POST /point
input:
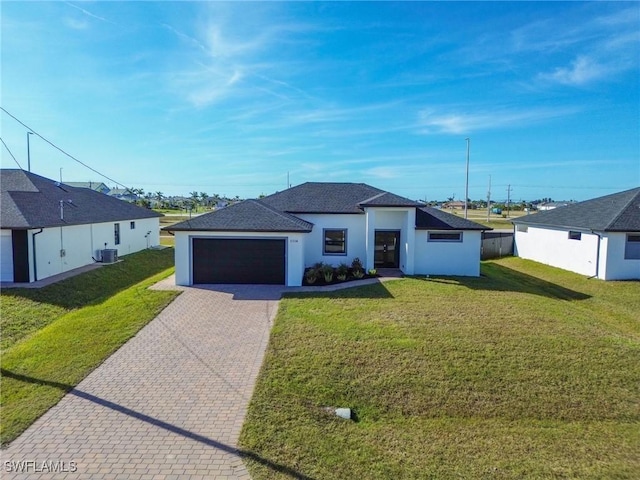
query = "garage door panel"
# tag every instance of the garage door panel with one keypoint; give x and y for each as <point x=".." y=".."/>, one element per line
<point x="258" y="261"/>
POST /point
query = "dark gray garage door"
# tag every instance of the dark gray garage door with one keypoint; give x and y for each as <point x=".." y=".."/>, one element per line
<point x="223" y="260"/>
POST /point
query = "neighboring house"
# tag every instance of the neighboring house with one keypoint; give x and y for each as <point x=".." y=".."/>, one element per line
<point x="552" y="205"/>
<point x="599" y="237"/>
<point x="123" y="194"/>
<point x="48" y="228"/>
<point x="457" y="205"/>
<point x="273" y="239"/>
<point x="97" y="186"/>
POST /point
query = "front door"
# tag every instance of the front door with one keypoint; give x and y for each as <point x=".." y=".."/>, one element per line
<point x="387" y="250"/>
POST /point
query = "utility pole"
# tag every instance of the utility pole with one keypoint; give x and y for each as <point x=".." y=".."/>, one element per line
<point x="466" y="187"/>
<point x="489" y="200"/>
<point x="508" y="199"/>
<point x="28" y="152"/>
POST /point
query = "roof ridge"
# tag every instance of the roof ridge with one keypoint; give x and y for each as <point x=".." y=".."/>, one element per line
<point x="624" y="208"/>
<point x="373" y="198"/>
<point x="285" y="215"/>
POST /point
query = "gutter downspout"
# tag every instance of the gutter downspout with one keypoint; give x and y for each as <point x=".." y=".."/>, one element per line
<point x="35" y="261"/>
<point x="597" y="256"/>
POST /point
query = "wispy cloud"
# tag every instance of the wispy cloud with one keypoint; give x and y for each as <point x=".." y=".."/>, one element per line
<point x="76" y="24"/>
<point x="599" y="47"/>
<point x="237" y="52"/>
<point x="432" y="121"/>
<point x="189" y="39"/>
<point x="581" y="71"/>
<point x="604" y="47"/>
<point x="89" y="14"/>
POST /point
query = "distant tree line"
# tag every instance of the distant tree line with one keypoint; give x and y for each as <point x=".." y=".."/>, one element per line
<point x="193" y="202"/>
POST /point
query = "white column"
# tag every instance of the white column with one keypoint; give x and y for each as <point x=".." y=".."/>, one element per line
<point x="183" y="258"/>
<point x="370" y="231"/>
<point x="410" y="241"/>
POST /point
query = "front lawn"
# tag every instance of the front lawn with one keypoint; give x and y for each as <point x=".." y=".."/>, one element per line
<point x="55" y="336"/>
<point x="526" y="372"/>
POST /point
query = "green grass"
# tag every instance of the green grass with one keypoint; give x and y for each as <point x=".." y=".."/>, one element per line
<point x="526" y="372"/>
<point x="84" y="320"/>
<point x="496" y="221"/>
<point x="25" y="311"/>
<point x="167" y="240"/>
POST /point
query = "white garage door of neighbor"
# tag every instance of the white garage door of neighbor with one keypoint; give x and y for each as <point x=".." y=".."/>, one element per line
<point x="6" y="256"/>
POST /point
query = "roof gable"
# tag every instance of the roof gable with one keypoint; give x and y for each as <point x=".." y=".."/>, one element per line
<point x="246" y="216"/>
<point x="618" y="212"/>
<point x="32" y="201"/>
<point x="386" y="199"/>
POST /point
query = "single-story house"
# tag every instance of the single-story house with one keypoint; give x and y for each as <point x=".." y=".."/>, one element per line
<point x="552" y="205"/>
<point x="456" y="205"/>
<point x="48" y="227"/>
<point x="598" y="237"/>
<point x="273" y="239"/>
<point x="97" y="186"/>
<point x="123" y="194"/>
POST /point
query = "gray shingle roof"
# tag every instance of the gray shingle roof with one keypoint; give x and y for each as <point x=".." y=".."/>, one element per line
<point x="428" y="218"/>
<point x="618" y="212"/>
<point x="386" y="199"/>
<point x="246" y="216"/>
<point x="31" y="201"/>
<point x="275" y="213"/>
<point x="314" y="197"/>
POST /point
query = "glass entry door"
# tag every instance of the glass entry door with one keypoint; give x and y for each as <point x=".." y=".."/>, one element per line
<point x="387" y="249"/>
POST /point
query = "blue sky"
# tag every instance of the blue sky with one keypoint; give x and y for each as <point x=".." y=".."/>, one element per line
<point x="228" y="98"/>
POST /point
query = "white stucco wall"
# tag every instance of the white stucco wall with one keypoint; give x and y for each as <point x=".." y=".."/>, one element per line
<point x="314" y="241"/>
<point x="6" y="256"/>
<point x="388" y="218"/>
<point x="613" y="264"/>
<point x="295" y="245"/>
<point x="448" y="258"/>
<point x="553" y="247"/>
<point x="304" y="249"/>
<point x="82" y="242"/>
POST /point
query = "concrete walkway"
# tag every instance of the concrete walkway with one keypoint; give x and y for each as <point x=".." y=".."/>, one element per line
<point x="171" y="402"/>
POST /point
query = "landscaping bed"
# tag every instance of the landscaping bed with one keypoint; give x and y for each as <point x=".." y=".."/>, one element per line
<point x="322" y="274"/>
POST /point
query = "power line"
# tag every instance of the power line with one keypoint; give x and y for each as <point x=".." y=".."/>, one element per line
<point x="14" y="158"/>
<point x="60" y="149"/>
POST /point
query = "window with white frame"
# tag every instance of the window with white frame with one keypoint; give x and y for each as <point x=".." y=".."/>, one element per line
<point x="444" y="237"/>
<point x="335" y="241"/>
<point x="632" y="247"/>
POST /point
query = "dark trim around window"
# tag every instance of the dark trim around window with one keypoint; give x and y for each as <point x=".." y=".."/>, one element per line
<point x="575" y="235"/>
<point x="116" y="233"/>
<point x="632" y="247"/>
<point x="444" y="237"/>
<point x="334" y="241"/>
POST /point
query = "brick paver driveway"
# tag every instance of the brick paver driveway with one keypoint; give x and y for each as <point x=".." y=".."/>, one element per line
<point x="169" y="404"/>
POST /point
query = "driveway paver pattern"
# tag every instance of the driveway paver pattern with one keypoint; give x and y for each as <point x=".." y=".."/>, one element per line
<point x="169" y="404"/>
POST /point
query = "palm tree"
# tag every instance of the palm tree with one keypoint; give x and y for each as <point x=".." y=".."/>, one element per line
<point x="195" y="197"/>
<point x="159" y="196"/>
<point x="203" y="198"/>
